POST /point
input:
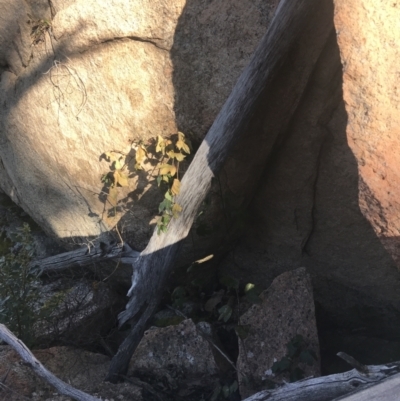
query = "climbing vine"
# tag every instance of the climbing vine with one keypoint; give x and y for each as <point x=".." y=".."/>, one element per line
<point x="172" y="154"/>
<point x="168" y="153"/>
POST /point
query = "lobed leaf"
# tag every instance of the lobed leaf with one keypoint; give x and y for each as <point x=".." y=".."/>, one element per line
<point x="181" y="143"/>
<point x="167" y="169"/>
<point x="176" y="187"/>
<point x="174" y="155"/>
<point x="120" y="178"/>
<point x="141" y="155"/>
<point x="160" y="147"/>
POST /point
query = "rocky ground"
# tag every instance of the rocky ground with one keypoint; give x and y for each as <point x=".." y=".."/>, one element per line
<point x="223" y="342"/>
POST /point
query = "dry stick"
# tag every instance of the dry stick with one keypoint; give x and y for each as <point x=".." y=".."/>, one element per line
<point x="156" y="261"/>
<point x="353" y="362"/>
<point x="29" y="358"/>
<point x="334" y="387"/>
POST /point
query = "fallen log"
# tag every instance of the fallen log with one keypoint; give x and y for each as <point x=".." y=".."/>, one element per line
<point x="63" y="388"/>
<point x="344" y="385"/>
<point x="84" y="256"/>
<point x="387" y="390"/>
<point x="156" y="261"/>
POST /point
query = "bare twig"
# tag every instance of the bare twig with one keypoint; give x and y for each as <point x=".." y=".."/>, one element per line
<point x="353" y="363"/>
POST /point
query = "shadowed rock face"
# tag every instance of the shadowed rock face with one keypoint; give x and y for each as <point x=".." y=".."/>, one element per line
<point x="324" y="200"/>
<point x="367" y="37"/>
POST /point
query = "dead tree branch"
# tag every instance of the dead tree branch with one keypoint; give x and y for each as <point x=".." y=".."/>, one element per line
<point x="330" y="388"/>
<point x="62" y="387"/>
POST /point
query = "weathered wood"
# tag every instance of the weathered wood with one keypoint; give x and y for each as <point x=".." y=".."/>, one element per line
<point x="62" y="387"/>
<point x="156" y="261"/>
<point x="387" y="390"/>
<point x="329" y="388"/>
<point x="83" y="257"/>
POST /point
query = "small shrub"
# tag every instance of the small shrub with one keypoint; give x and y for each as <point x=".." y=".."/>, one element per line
<point x="168" y="153"/>
<point x="19" y="289"/>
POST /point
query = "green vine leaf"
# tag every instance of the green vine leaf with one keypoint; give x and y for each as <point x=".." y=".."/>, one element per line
<point x="164" y="205"/>
<point x="308" y="356"/>
<point x="281" y="366"/>
<point x="169" y="196"/>
<point x="225" y="312"/>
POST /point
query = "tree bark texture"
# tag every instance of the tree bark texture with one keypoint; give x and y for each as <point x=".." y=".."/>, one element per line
<point x="83" y="257"/>
<point x="156" y="261"/>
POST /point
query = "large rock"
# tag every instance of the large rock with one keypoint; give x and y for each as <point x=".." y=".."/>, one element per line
<point x="369" y="55"/>
<point x="87" y="88"/>
<point x="286" y="311"/>
<point x="79" y="78"/>
<point x="328" y="196"/>
<point x="177" y="359"/>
